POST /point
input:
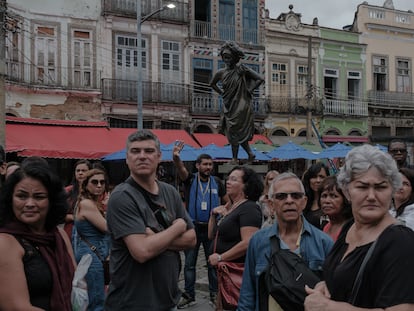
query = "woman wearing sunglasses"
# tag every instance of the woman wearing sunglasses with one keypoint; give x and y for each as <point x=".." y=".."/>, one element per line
<point x="92" y="236"/>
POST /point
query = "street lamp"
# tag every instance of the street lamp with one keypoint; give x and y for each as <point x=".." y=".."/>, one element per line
<point x="140" y="20"/>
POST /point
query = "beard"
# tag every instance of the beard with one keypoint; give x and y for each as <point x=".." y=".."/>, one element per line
<point x="204" y="175"/>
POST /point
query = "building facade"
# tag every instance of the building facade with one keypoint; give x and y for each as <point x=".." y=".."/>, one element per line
<point x="78" y="60"/>
<point x="342" y="87"/>
<point x="388" y="34"/>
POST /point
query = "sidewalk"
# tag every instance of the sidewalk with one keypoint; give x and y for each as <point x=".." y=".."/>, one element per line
<point x="202" y="293"/>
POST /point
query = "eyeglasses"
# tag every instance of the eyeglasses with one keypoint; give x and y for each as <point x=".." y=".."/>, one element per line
<point x="395" y="151"/>
<point x="283" y="195"/>
<point x="95" y="182"/>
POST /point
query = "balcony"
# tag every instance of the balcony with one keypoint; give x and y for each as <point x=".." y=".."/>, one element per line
<point x="126" y="90"/>
<point x="128" y="8"/>
<point x="212" y="105"/>
<point x="204" y="30"/>
<point x="49" y="76"/>
<point x="293" y="105"/>
<point x="353" y="108"/>
<point x="390" y="100"/>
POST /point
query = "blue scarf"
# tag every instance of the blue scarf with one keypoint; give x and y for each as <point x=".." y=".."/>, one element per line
<point x="211" y="197"/>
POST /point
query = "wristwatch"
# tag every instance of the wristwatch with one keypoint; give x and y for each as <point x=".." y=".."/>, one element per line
<point x="219" y="258"/>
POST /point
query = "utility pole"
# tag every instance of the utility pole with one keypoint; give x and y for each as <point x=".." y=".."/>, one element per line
<point x="140" y="20"/>
<point x="139" y="68"/>
<point x="309" y="93"/>
<point x="3" y="8"/>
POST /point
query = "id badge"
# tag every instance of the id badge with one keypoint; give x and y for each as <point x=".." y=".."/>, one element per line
<point x="204" y="206"/>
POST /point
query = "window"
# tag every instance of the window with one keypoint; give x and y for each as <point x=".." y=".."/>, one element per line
<point x="45" y="55"/>
<point x="354" y="84"/>
<point x="227" y="20"/>
<point x="403" y="18"/>
<point x="279" y="76"/>
<point x="403" y="76"/>
<point x="82" y="58"/>
<point x="381" y="131"/>
<point x="376" y="14"/>
<point x="331" y="83"/>
<point x="12" y="55"/>
<point x="170" y="60"/>
<point x="250" y="21"/>
<point x="171" y="76"/>
<point x="380" y="70"/>
<point x="403" y="131"/>
<point x="302" y="80"/>
<point x="202" y="75"/>
<point x="127" y="60"/>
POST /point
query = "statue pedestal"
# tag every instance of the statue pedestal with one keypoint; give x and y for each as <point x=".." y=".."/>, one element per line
<point x="225" y="168"/>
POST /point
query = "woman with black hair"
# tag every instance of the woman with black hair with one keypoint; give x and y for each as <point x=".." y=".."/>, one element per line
<point x="81" y="167"/>
<point x="312" y="179"/>
<point x="36" y="262"/>
<point x="403" y="207"/>
<point x="334" y="205"/>
<point x="234" y="223"/>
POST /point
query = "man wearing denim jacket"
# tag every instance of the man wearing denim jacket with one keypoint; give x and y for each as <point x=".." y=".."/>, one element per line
<point x="287" y="199"/>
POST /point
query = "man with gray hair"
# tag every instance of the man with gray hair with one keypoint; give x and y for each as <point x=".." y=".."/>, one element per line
<point x="149" y="226"/>
<point x="287" y="199"/>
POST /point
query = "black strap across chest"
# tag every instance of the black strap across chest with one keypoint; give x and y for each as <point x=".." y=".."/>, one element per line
<point x="156" y="209"/>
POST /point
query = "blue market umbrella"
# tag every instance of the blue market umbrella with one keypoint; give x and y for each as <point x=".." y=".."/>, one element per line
<point x="225" y="152"/>
<point x="187" y="154"/>
<point x="291" y="151"/>
<point x="217" y="152"/>
<point x="381" y="147"/>
<point x="117" y="155"/>
<point x="260" y="156"/>
<point x="338" y="150"/>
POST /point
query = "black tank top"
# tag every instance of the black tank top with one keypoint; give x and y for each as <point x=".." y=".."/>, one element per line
<point x="38" y="275"/>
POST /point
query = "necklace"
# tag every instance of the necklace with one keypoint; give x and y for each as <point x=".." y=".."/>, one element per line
<point x="232" y="208"/>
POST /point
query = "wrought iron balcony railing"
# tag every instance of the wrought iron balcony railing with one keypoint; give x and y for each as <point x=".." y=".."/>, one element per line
<point x="212" y="105"/>
<point x="206" y="30"/>
<point x="126" y="90"/>
<point x="355" y="108"/>
<point x="390" y="100"/>
<point x="128" y="8"/>
<point x="294" y="105"/>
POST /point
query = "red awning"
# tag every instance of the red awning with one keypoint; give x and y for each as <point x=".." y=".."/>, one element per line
<point x="76" y="142"/>
<point x="341" y="139"/>
<point x="220" y="140"/>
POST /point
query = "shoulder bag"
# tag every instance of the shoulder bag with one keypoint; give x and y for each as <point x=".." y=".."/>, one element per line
<point x="229" y="276"/>
<point x="105" y="261"/>
<point x="286" y="276"/>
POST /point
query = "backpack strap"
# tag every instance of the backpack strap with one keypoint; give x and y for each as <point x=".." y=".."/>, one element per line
<point x="156" y="209"/>
<point x="274" y="244"/>
<point x="358" y="279"/>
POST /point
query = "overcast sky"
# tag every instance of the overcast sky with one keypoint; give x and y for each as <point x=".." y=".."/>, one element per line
<point x="333" y="13"/>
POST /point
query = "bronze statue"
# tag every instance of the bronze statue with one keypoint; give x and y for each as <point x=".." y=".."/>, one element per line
<point x="238" y="83"/>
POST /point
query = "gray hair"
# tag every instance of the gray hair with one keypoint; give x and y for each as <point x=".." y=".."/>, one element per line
<point x="360" y="159"/>
<point x="142" y="135"/>
<point x="283" y="176"/>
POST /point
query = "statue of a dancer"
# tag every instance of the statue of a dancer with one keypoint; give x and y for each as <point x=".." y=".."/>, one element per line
<point x="238" y="82"/>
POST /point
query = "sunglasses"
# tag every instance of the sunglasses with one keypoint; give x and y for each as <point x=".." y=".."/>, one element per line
<point x="95" y="182"/>
<point x="395" y="151"/>
<point x="283" y="195"/>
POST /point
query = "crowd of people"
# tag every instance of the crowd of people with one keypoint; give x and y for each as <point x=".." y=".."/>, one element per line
<point x="352" y="229"/>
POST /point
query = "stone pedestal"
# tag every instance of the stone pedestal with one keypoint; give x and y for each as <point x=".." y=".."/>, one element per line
<point x="225" y="168"/>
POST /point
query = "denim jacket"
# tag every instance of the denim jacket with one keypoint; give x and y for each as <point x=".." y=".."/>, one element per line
<point x="314" y="247"/>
